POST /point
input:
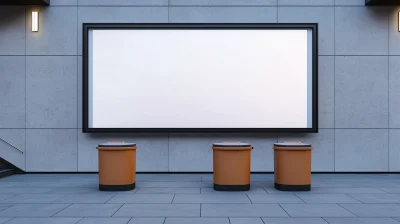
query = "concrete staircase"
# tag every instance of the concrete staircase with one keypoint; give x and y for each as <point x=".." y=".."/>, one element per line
<point x="7" y="169"/>
<point x="12" y="150"/>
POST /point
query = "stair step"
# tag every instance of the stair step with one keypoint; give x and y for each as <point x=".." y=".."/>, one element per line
<point x="7" y="172"/>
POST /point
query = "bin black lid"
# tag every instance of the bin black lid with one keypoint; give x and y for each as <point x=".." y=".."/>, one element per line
<point x="231" y="144"/>
<point x="117" y="144"/>
<point x="292" y="144"/>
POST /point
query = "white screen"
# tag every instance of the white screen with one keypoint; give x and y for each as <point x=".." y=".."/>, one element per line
<point x="200" y="78"/>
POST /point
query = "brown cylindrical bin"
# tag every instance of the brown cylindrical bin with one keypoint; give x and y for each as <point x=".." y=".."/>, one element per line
<point x="231" y="166"/>
<point x="292" y="164"/>
<point x="117" y="166"/>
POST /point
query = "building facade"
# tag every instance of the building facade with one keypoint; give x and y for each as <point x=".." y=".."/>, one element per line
<point x="41" y="90"/>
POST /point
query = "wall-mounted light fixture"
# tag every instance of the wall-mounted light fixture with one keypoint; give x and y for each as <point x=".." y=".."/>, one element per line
<point x="398" y="18"/>
<point x="35" y="21"/>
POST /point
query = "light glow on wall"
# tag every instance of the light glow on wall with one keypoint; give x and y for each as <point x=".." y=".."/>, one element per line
<point x="35" y="21"/>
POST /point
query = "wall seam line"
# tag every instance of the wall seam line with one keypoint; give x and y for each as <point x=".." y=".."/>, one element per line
<point x="77" y="89"/>
<point x="334" y="89"/>
<point x="214" y="132"/>
<point x="168" y="142"/>
<point x="26" y="151"/>
<point x="77" y="133"/>
<point x="277" y="11"/>
<point x="188" y="6"/>
<point x="168" y="9"/>
<point x="74" y="55"/>
<point x="388" y="89"/>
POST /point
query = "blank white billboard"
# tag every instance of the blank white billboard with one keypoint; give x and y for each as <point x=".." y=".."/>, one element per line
<point x="200" y="79"/>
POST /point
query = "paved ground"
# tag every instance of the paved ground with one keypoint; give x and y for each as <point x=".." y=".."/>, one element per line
<point x="190" y="199"/>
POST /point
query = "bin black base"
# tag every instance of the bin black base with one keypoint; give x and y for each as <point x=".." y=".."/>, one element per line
<point x="219" y="187"/>
<point x="284" y="187"/>
<point x="127" y="187"/>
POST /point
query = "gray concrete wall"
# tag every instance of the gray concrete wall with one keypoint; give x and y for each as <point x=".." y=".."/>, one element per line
<point x="359" y="78"/>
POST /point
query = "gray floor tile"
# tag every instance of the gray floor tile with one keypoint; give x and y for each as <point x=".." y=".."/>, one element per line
<point x="294" y="221"/>
<point x="33" y="198"/>
<point x="135" y="220"/>
<point x="104" y="221"/>
<point x="174" y="184"/>
<point x="253" y="177"/>
<point x="25" y="190"/>
<point x="197" y="221"/>
<point x="44" y="221"/>
<point x="361" y="221"/>
<point x="274" y="198"/>
<point x="377" y="198"/>
<point x="60" y="184"/>
<point x="74" y="190"/>
<point x="390" y="181"/>
<point x="120" y="192"/>
<point x="373" y="210"/>
<point x="89" y="210"/>
<point x="343" y="190"/>
<point x="4" y="220"/>
<point x="347" y="190"/>
<point x="336" y="185"/>
<point x="392" y="190"/>
<point x="142" y="198"/>
<point x="246" y="221"/>
<point x="5" y="206"/>
<point x="372" y="182"/>
<point x="360" y="184"/>
<point x="8" y="184"/>
<point x="255" y="190"/>
<point x="262" y="184"/>
<point x="168" y="177"/>
<point x="242" y="210"/>
<point x="32" y="210"/>
<point x="316" y="210"/>
<point x="348" y="176"/>
<point x="85" y="198"/>
<point x="158" y="210"/>
<point x="211" y="198"/>
<point x="272" y="190"/>
<point x="327" y="198"/>
<point x="168" y="190"/>
<point x="6" y="196"/>
<point x="207" y="177"/>
<point x="43" y="184"/>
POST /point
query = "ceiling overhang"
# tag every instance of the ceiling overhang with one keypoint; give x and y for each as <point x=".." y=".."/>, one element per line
<point x="24" y="2"/>
<point x="382" y="2"/>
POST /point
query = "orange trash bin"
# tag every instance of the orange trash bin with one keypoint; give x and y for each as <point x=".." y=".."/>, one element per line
<point x="117" y="166"/>
<point x="231" y="164"/>
<point x="292" y="166"/>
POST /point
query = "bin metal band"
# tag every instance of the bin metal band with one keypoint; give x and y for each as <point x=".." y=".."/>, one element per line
<point x="232" y="148"/>
<point x="220" y="187"/>
<point x="282" y="148"/>
<point x="231" y="145"/>
<point x="292" y="145"/>
<point x="284" y="187"/>
<point x="116" y="148"/>
<point x="126" y="187"/>
<point x="117" y="144"/>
